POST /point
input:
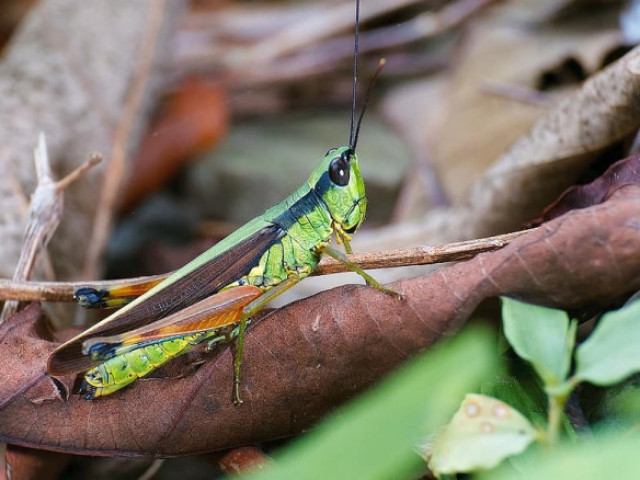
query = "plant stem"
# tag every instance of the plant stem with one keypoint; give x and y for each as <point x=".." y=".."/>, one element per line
<point x="556" y="409"/>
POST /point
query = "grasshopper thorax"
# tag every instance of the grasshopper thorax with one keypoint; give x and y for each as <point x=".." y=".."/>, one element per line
<point x="338" y="182"/>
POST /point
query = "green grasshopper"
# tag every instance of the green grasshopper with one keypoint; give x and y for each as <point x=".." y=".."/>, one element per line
<point x="213" y="297"/>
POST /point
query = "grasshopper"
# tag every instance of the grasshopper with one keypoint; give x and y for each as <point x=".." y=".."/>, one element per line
<point x="212" y="298"/>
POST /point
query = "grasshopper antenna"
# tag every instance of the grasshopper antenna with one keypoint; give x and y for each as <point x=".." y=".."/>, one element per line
<point x="354" y="138"/>
<point x="355" y="129"/>
<point x="352" y="134"/>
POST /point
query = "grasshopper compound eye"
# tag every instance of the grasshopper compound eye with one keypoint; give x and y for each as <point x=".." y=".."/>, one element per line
<point x="339" y="170"/>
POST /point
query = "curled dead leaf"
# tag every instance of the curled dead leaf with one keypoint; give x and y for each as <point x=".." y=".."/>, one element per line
<point x="303" y="360"/>
<point x="623" y="172"/>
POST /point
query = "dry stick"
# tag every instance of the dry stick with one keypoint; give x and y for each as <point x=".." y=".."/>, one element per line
<point x="424" y="26"/>
<point x="451" y="252"/>
<point x="268" y="62"/>
<point x="315" y="28"/>
<point x="312" y="31"/>
<point x="45" y="260"/>
<point x="45" y="212"/>
<point x="325" y="56"/>
<point x="116" y="166"/>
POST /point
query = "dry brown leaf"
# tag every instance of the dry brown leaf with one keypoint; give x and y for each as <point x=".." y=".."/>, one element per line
<point x="559" y="147"/>
<point x="477" y="128"/>
<point x="303" y="360"/>
<point x="624" y="172"/>
<point x="511" y="46"/>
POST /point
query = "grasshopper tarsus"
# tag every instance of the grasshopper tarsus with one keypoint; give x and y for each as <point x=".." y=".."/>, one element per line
<point x="237" y="400"/>
<point x="401" y="297"/>
<point x="388" y="291"/>
<point x="397" y="295"/>
<point x="86" y="391"/>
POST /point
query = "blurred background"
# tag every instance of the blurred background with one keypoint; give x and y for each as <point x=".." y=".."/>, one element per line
<point x="242" y="99"/>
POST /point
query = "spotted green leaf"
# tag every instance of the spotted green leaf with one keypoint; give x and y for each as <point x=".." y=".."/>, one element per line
<point x="482" y="433"/>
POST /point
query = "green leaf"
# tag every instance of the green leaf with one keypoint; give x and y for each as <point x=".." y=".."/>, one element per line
<point x="374" y="436"/>
<point x="610" y="456"/>
<point x="612" y="351"/>
<point x="542" y="336"/>
<point x="482" y="433"/>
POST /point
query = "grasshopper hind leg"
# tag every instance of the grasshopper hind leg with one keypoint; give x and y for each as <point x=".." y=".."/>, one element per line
<point x="114" y="296"/>
<point x="248" y="311"/>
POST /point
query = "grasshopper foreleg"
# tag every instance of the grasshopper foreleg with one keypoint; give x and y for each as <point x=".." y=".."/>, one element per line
<point x="372" y="282"/>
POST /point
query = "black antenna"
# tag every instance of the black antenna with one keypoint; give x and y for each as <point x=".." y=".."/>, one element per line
<point x="352" y="135"/>
<point x="355" y="129"/>
<point x="354" y="138"/>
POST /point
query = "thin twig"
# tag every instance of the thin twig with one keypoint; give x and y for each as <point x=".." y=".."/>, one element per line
<point x="451" y="252"/>
<point x="63" y="184"/>
<point x="286" y="56"/>
<point x="115" y="168"/>
<point x="45" y="212"/>
<point x="425" y="26"/>
<point x="19" y="195"/>
<point x="316" y="28"/>
<point x="325" y="56"/>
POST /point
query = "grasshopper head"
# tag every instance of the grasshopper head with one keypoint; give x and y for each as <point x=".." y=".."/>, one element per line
<point x="338" y="182"/>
